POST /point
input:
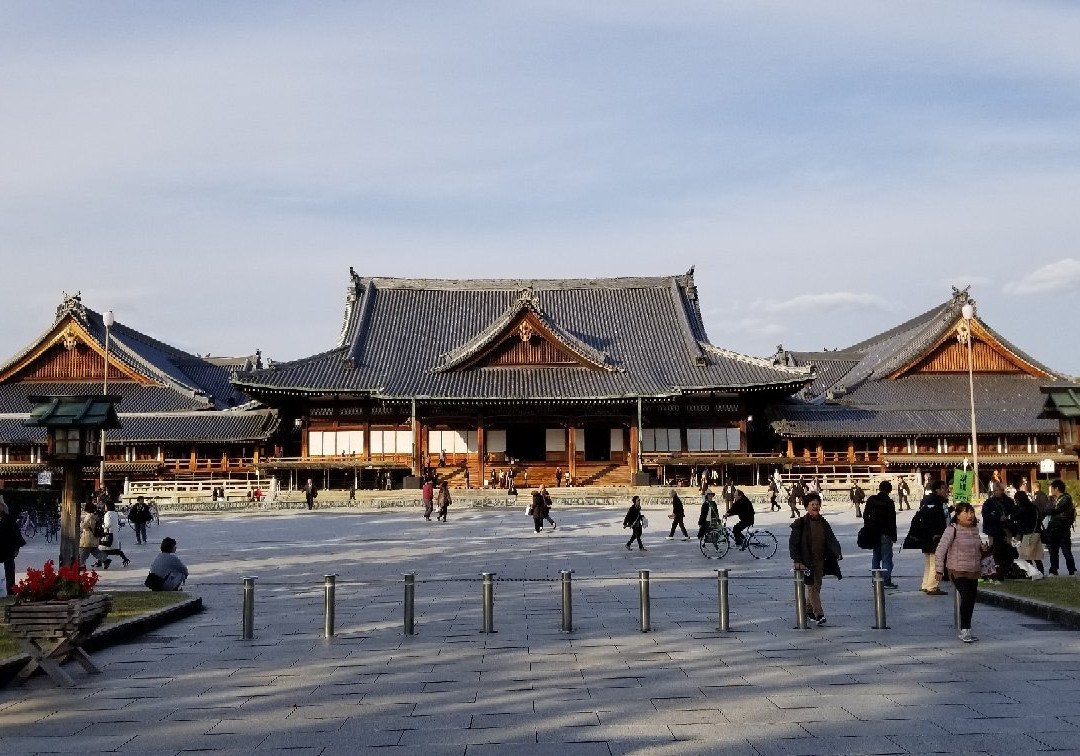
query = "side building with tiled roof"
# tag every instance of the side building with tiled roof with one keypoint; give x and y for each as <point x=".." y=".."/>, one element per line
<point x="901" y="403"/>
<point x="597" y="379"/>
<point x="180" y="416"/>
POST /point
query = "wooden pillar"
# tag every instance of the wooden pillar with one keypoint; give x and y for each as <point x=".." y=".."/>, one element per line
<point x="790" y="449"/>
<point x="850" y="451"/>
<point x="819" y="453"/>
<point x="571" y="448"/>
<point x="634" y="456"/>
<point x="69" y="514"/>
<point x="481" y="455"/>
<point x="367" y="439"/>
<point x="255" y="456"/>
<point x="418" y="447"/>
<point x="742" y="437"/>
<point x="193" y="462"/>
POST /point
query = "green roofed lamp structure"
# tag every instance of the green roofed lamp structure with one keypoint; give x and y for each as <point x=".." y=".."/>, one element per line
<point x="74" y="426"/>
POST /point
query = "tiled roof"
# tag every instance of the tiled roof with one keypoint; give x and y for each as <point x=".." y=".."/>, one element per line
<point x="645" y="332"/>
<point x="182" y="427"/>
<point x="191" y="398"/>
<point x="854" y="396"/>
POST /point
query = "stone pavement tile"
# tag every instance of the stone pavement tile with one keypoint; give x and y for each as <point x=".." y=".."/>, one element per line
<point x="53" y="726"/>
<point x="1034" y="726"/>
<point x="1059" y="741"/>
<point x="996" y="743"/>
<point x="540" y="749"/>
<point x="508" y="736"/>
<point x="767" y="713"/>
<point x="721" y="732"/>
<point x="829" y="746"/>
<point x="15" y="744"/>
<point x="879" y="728"/>
<point x="1049" y="708"/>
<point x="921" y="698"/>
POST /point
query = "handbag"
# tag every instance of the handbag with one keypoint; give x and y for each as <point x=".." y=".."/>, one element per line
<point x="106" y="539"/>
<point x="644" y="522"/>
<point x="865" y="539"/>
<point x="528" y="509"/>
<point x="154" y="582"/>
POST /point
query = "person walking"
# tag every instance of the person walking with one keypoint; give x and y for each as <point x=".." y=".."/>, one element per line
<point x="111" y="539"/>
<point x="634" y="521"/>
<point x="927" y="525"/>
<point x="813" y="547"/>
<point x="961" y="550"/>
<point x="857" y="496"/>
<point x="442" y="500"/>
<point x="427" y="494"/>
<point x="11" y="541"/>
<point x="879" y="517"/>
<point x="794" y="495"/>
<point x="538" y="510"/>
<point x="903" y="494"/>
<point x="547" y="505"/>
<point x="139" y="517"/>
<point x="167" y="572"/>
<point x="710" y="516"/>
<point x="774" y="489"/>
<point x="1058" y="535"/>
<point x="90" y="538"/>
<point x="467" y="486"/>
<point x="677" y="515"/>
<point x="558" y="476"/>
<point x="1026" y="524"/>
<point x="310" y="492"/>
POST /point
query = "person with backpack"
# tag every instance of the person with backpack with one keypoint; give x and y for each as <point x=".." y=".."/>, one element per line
<point x="960" y="550"/>
<point x="879" y="519"/>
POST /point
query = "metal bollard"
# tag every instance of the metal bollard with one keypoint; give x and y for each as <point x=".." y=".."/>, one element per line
<point x="722" y="593"/>
<point x="330" y="589"/>
<point x="567" y="603"/>
<point x="410" y="595"/>
<point x="489" y="601"/>
<point x="956" y="606"/>
<point x="879" y="600"/>
<point x="643" y="590"/>
<point x="800" y="599"/>
<point x="248" y="630"/>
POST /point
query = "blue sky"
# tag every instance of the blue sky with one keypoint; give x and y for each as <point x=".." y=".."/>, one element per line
<point x="210" y="171"/>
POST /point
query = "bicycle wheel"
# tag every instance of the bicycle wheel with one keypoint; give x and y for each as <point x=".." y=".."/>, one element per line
<point x="52" y="530"/>
<point x="761" y="544"/>
<point x="714" y="544"/>
<point x="29" y="527"/>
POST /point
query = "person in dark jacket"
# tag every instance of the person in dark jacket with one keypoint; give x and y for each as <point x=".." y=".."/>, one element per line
<point x="633" y="520"/>
<point x="11" y="540"/>
<point x="1026" y="526"/>
<point x="742" y="508"/>
<point x="995" y="512"/>
<point x="813" y="547"/>
<point x="1058" y="532"/>
<point x="857" y="496"/>
<point x="677" y="515"/>
<point x="927" y="526"/>
<point x="539" y="510"/>
<point x="879" y="517"/>
<point x="709" y="514"/>
<point x="310" y="492"/>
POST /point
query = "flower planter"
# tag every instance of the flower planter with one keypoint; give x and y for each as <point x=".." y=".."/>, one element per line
<point x="52" y="632"/>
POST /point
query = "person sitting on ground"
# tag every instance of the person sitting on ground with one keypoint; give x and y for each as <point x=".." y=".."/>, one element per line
<point x="167" y="572"/>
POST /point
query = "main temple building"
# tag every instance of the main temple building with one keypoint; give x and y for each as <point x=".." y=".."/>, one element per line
<point x="607" y="381"/>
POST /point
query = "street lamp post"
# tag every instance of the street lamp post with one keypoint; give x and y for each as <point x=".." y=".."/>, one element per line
<point x="963" y="334"/>
<point x="108" y="320"/>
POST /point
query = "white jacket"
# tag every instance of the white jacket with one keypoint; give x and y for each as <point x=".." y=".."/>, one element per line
<point x="111" y="524"/>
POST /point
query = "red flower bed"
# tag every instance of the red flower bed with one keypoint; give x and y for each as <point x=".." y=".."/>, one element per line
<point x="50" y="584"/>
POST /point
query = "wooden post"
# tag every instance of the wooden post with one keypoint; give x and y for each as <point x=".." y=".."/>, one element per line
<point x="69" y="514"/>
<point x="191" y="464"/>
<point x="571" y="448"/>
<point x="634" y="456"/>
<point x="481" y="457"/>
<point x="850" y="451"/>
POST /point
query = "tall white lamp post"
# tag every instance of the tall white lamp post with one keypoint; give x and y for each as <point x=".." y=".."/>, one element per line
<point x="109" y="319"/>
<point x="963" y="334"/>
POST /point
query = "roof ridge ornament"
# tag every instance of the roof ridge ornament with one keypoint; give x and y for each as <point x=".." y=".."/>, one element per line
<point x="72" y="305"/>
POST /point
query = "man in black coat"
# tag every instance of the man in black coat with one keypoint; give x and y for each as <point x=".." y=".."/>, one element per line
<point x="1058" y="532"/>
<point x="879" y="517"/>
<point x="742" y="508"/>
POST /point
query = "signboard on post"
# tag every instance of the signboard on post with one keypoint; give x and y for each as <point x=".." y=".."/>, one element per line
<point x="44" y="478"/>
<point x="1047" y="467"/>
<point x="963" y="482"/>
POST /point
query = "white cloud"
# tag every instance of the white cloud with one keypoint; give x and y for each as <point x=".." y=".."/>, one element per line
<point x="831" y="301"/>
<point x="1063" y="275"/>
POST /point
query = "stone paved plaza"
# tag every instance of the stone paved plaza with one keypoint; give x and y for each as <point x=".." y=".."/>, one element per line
<point x="529" y="688"/>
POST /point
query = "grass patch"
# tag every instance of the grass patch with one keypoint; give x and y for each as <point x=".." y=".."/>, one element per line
<point x="1060" y="591"/>
<point x="126" y="604"/>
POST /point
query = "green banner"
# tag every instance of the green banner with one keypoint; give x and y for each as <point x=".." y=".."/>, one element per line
<point x="962" y="483"/>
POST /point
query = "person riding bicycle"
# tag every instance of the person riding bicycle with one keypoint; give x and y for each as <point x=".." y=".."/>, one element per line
<point x="742" y="508"/>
